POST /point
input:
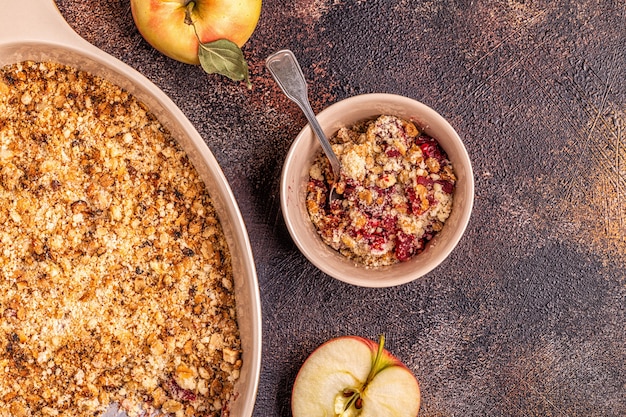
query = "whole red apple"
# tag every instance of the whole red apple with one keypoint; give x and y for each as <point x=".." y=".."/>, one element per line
<point x="352" y="376"/>
<point x="184" y="29"/>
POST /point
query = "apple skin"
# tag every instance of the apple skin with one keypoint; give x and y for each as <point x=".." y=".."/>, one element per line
<point x="345" y="363"/>
<point x="162" y="24"/>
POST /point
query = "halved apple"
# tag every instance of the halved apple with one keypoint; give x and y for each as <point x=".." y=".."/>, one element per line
<point x="352" y="376"/>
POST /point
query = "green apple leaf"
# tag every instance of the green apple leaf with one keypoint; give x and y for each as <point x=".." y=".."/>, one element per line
<point x="224" y="57"/>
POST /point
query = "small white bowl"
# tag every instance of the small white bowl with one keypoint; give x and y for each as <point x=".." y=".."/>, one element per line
<point x="295" y="176"/>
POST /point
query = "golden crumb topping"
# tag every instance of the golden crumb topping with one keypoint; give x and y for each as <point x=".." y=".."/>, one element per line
<point x="115" y="278"/>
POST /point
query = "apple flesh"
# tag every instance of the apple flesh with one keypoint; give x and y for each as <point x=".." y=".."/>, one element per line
<point x="352" y="376"/>
<point x="164" y="24"/>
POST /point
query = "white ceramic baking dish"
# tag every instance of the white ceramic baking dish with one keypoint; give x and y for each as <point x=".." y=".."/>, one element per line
<point x="35" y="30"/>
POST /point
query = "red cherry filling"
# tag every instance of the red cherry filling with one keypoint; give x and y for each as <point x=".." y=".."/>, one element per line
<point x="392" y="152"/>
<point x="387" y="215"/>
<point x="446" y="186"/>
<point x="177" y="392"/>
<point x="430" y="148"/>
<point x="406" y="246"/>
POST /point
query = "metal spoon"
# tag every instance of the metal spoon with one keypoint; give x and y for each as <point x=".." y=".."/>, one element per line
<point x="287" y="72"/>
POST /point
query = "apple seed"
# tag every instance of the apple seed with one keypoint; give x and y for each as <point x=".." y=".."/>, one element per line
<point x="358" y="403"/>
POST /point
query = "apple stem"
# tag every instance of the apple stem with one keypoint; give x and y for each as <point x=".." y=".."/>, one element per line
<point x="189" y="21"/>
<point x="189" y="7"/>
<point x="379" y="355"/>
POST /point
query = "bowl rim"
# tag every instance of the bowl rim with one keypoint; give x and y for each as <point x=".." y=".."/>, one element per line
<point x="327" y="259"/>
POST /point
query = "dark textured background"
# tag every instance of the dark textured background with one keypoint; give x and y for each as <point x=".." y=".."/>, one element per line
<point x="527" y="316"/>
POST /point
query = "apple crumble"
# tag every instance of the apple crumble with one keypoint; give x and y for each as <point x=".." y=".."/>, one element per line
<point x="397" y="185"/>
<point x="115" y="278"/>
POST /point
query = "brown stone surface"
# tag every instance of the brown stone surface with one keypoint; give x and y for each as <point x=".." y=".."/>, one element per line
<point x="527" y="316"/>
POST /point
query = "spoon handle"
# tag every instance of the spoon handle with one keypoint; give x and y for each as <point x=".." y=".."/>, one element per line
<point x="285" y="69"/>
